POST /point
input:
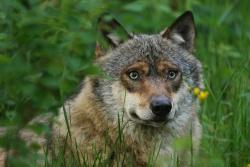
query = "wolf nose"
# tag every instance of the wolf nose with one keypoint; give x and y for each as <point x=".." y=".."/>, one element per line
<point x="160" y="105"/>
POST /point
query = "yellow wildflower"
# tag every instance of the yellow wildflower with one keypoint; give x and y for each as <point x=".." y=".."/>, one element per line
<point x="203" y="95"/>
<point x="196" y="91"/>
<point x="248" y="165"/>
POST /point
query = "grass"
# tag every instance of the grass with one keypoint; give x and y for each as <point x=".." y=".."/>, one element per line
<point x="225" y="116"/>
<point x="30" y="35"/>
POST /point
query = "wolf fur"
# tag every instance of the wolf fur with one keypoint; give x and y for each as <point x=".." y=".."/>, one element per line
<point x="107" y="104"/>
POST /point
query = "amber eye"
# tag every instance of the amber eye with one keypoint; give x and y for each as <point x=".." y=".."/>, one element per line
<point x="134" y="75"/>
<point x="172" y="74"/>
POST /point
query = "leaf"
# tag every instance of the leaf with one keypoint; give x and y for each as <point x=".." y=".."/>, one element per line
<point x="136" y="6"/>
<point x="4" y="59"/>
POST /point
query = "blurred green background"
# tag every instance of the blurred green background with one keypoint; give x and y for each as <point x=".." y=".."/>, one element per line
<point x="47" y="46"/>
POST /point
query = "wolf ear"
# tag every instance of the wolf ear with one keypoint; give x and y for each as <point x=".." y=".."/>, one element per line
<point x="99" y="51"/>
<point x="182" y="31"/>
<point x="112" y="30"/>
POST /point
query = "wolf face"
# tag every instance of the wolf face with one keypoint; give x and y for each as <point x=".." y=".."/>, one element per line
<point x="150" y="74"/>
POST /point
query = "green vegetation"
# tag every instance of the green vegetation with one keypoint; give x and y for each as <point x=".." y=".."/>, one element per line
<point x="46" y="48"/>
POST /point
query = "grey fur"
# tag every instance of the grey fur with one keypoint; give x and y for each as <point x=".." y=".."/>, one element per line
<point x="155" y="46"/>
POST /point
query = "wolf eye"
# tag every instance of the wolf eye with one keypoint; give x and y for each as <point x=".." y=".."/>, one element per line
<point x="134" y="75"/>
<point x="172" y="74"/>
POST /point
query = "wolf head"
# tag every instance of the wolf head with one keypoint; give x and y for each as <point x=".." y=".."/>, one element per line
<point x="149" y="75"/>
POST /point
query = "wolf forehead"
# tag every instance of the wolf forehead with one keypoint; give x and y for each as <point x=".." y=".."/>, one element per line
<point x="149" y="48"/>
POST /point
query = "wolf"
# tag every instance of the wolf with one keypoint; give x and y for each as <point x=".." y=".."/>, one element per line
<point x="144" y="94"/>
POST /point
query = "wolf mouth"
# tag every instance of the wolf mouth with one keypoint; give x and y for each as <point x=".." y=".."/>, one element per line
<point x="155" y="121"/>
